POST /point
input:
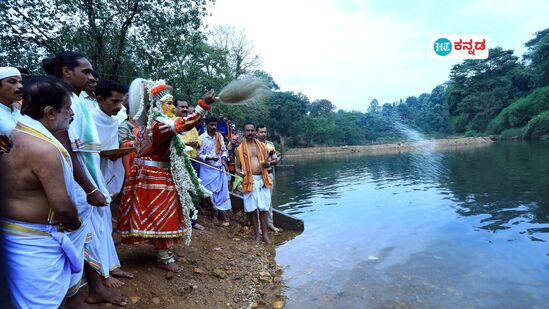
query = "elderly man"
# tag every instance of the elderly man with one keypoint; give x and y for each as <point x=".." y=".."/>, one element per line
<point x="39" y="256"/>
<point x="11" y="90"/>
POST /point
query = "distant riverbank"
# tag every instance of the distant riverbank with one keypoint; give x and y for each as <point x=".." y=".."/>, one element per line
<point x="390" y="148"/>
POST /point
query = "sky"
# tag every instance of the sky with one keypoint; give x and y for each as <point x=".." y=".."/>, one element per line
<point x="350" y="51"/>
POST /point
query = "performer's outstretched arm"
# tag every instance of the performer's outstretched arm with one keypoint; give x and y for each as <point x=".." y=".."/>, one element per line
<point x="182" y="124"/>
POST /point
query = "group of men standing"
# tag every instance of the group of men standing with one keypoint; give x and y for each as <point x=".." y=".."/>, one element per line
<point x="57" y="222"/>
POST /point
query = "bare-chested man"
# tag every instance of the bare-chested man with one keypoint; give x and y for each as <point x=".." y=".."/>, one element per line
<point x="273" y="160"/>
<point x="252" y="164"/>
<point x="41" y="203"/>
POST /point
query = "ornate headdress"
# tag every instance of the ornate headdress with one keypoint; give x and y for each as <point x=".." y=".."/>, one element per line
<point x="145" y="99"/>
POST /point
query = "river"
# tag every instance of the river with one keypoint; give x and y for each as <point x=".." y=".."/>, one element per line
<point x="461" y="228"/>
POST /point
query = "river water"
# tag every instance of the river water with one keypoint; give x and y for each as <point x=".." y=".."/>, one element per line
<point x="462" y="228"/>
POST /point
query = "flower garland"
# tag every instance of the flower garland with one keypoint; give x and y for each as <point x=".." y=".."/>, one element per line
<point x="184" y="177"/>
<point x="199" y="192"/>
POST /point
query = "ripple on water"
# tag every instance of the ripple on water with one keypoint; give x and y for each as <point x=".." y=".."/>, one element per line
<point x="463" y="228"/>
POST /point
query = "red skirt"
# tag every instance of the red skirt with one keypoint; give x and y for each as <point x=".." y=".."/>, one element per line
<point x="150" y="210"/>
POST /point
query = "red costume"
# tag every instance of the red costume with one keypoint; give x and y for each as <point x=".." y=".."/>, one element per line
<point x="150" y="207"/>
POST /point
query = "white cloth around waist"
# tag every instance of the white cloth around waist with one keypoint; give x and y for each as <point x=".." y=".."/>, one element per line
<point x="39" y="261"/>
<point x="259" y="198"/>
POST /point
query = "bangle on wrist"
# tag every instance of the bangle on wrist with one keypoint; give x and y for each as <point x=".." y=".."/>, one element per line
<point x="91" y="192"/>
<point x="203" y="104"/>
<point x="200" y="110"/>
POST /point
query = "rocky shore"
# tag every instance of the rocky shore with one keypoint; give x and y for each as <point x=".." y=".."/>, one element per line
<point x="222" y="268"/>
<point x="390" y="148"/>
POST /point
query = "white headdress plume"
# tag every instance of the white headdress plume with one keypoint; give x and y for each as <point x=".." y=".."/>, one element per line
<point x="138" y="100"/>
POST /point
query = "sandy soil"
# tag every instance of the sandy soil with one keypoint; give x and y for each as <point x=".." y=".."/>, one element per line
<point x="389" y="148"/>
<point x="222" y="268"/>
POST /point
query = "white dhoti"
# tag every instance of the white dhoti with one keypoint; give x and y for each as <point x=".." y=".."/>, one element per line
<point x="107" y="258"/>
<point x="85" y="142"/>
<point x="215" y="181"/>
<point x="113" y="178"/>
<point x="259" y="198"/>
<point x="101" y="252"/>
<point x="39" y="261"/>
<point x="81" y="238"/>
<point x="113" y="173"/>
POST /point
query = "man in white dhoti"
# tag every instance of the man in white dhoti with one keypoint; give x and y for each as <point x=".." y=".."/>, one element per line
<point x="110" y="95"/>
<point x="41" y="203"/>
<point x="11" y="89"/>
<point x="252" y="164"/>
<point x="273" y="160"/>
<point x="213" y="154"/>
<point x="82" y="143"/>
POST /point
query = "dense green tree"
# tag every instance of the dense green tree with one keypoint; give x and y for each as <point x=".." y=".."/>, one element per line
<point x="289" y="109"/>
<point x="122" y="38"/>
<point x="125" y="39"/>
<point x="321" y="131"/>
<point x="321" y="107"/>
<point x="196" y="68"/>
<point x="373" y="107"/>
<point x="537" y="56"/>
<point x="479" y="89"/>
<point x="521" y="111"/>
<point x="350" y="128"/>
<point x="538" y="127"/>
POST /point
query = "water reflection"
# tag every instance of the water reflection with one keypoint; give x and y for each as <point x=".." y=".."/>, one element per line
<point x="451" y="229"/>
<point x="507" y="182"/>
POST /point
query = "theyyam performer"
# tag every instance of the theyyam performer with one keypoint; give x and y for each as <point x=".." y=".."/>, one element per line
<point x="156" y="199"/>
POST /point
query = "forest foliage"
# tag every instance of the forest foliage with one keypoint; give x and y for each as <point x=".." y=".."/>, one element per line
<point x="125" y="39"/>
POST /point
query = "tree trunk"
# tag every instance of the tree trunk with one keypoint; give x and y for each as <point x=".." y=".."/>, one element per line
<point x="282" y="145"/>
<point x="122" y="41"/>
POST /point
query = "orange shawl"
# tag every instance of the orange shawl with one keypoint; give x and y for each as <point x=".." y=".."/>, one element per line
<point x="246" y="163"/>
<point x="218" y="142"/>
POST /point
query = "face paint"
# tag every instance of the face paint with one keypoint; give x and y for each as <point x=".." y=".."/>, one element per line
<point x="168" y="108"/>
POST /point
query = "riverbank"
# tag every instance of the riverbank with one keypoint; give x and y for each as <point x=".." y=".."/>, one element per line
<point x="221" y="269"/>
<point x="390" y="148"/>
